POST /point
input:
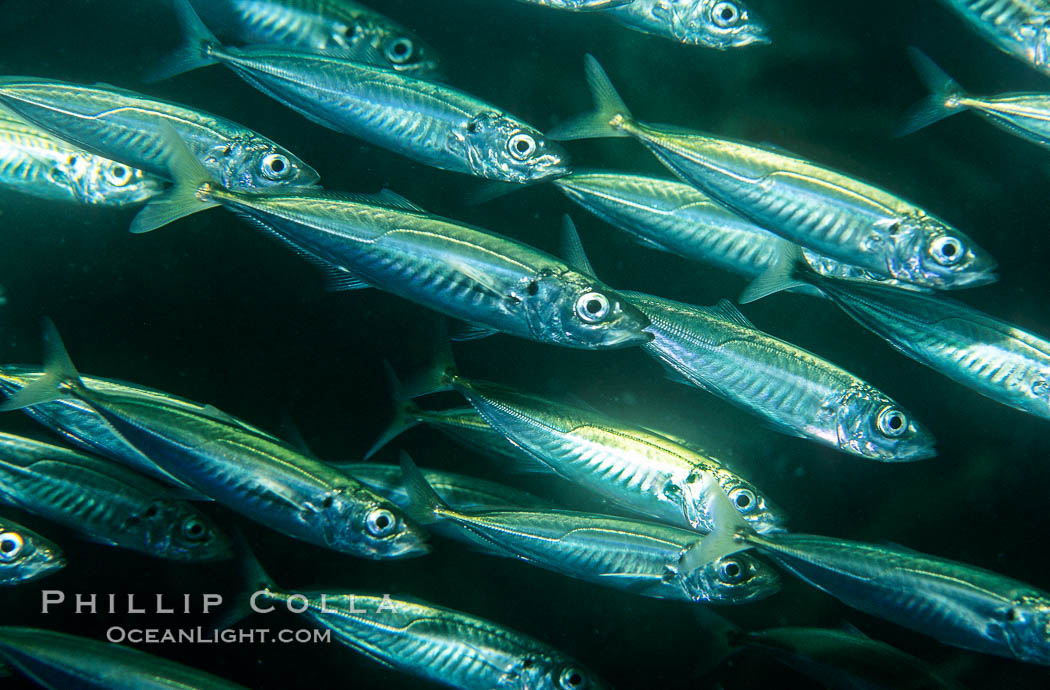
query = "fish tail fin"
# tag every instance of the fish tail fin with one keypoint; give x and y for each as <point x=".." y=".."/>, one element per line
<point x="195" y="51"/>
<point x="440" y="375"/>
<point x="404" y="415"/>
<point x="732" y="534"/>
<point x="607" y="106"/>
<point x="722" y="638"/>
<point x="254" y="578"/>
<point x="938" y="105"/>
<point x="59" y="373"/>
<point x="188" y="194"/>
<point x="426" y="506"/>
<point x="788" y="271"/>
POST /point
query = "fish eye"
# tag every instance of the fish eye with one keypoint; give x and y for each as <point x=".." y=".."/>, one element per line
<point x="731" y="571"/>
<point x="400" y="51"/>
<point x="381" y="522"/>
<point x="521" y="146"/>
<point x="892" y="422"/>
<point x="118" y="175"/>
<point x="11" y="545"/>
<point x="193" y="529"/>
<point x="725" y="14"/>
<point x="572" y="679"/>
<point x="592" y="307"/>
<point x="743" y="499"/>
<point x="276" y="166"/>
<point x="947" y="251"/>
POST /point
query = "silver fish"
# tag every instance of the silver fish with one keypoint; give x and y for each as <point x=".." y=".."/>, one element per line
<point x="78" y="423"/>
<point x="105" y="502"/>
<point x="640" y="557"/>
<point x="580" y="5"/>
<point x="334" y="27"/>
<point x="830" y="213"/>
<point x="253" y="474"/>
<point x="1017" y="27"/>
<point x="674" y="217"/>
<point x="25" y="555"/>
<point x="428" y="122"/>
<point x="993" y="357"/>
<point x="34" y="162"/>
<point x="634" y="467"/>
<point x="718" y="350"/>
<point x="125" y="126"/>
<point x="958" y="604"/>
<point x="720" y="24"/>
<point x="441" y="645"/>
<point x="462" y="424"/>
<point x="1026" y="115"/>
<point x="388" y="243"/>
<point x="60" y="662"/>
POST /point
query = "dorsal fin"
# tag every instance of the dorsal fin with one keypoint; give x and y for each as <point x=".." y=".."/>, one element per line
<point x="728" y="310"/>
<point x="572" y="248"/>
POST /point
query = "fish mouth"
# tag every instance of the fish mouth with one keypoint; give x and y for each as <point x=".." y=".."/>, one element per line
<point x="977" y="279"/>
<point x="407" y="548"/>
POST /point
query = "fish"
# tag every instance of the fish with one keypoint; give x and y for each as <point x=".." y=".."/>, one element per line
<point x="34" y="162"/>
<point x="492" y="282"/>
<point x="957" y="604"/>
<point x="717" y="349"/>
<point x="579" y="5"/>
<point x="1016" y="27"/>
<point x="425" y="121"/>
<point x="982" y="352"/>
<point x="719" y="24"/>
<point x="25" y="555"/>
<point x="810" y="205"/>
<point x="674" y="217"/>
<point x="322" y="26"/>
<point x="256" y="475"/>
<point x="59" y="661"/>
<point x="125" y="126"/>
<point x="105" y="502"/>
<point x="437" y="644"/>
<point x="634" y="467"/>
<point x="1026" y="115"/>
<point x="78" y="423"/>
<point x="639" y="557"/>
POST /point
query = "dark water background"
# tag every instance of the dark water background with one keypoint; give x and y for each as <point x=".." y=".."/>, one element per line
<point x="209" y="310"/>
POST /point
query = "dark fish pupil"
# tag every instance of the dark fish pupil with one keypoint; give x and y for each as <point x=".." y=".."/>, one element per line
<point x="7" y="545"/>
<point x="575" y="679"/>
<point x="949" y="250"/>
<point x="732" y="570"/>
<point x="743" y="500"/>
<point x="277" y="165"/>
<point x="594" y="306"/>
<point x="896" y="422"/>
<point x="400" y="48"/>
<point x="382" y="522"/>
<point x="728" y="13"/>
<point x="522" y="145"/>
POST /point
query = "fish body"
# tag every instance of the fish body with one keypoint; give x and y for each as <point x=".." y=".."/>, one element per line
<point x="25" y="555"/>
<point x="830" y="213"/>
<point x="105" y="502"/>
<point x="579" y="5"/>
<point x="34" y="162"/>
<point x="634" y="467"/>
<point x="718" y="350"/>
<point x="461" y="271"/>
<point x="78" y="423"/>
<point x="993" y="357"/>
<point x="60" y="662"/>
<point x="958" y="604"/>
<point x="334" y="27"/>
<point x="441" y="645"/>
<point x="1017" y="27"/>
<point x="126" y="127"/>
<point x="719" y="24"/>
<point x="671" y="216"/>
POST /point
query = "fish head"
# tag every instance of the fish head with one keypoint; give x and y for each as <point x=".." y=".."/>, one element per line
<point x="570" y="309"/>
<point x="109" y="182"/>
<point x="930" y="253"/>
<point x="364" y="524"/>
<point x="253" y="164"/>
<point x="735" y="579"/>
<point x="407" y="54"/>
<point x="1025" y="625"/>
<point x="499" y="147"/>
<point x="176" y="530"/>
<point x="717" y="24"/>
<point x="25" y="557"/>
<point x="553" y="671"/>
<point x="871" y="425"/>
<point x="760" y="512"/>
<point x="361" y="39"/>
